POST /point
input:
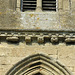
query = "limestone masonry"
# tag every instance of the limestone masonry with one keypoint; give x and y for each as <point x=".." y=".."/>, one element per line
<point x="37" y="42"/>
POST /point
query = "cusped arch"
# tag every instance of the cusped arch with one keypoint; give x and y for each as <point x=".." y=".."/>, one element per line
<point x="38" y="63"/>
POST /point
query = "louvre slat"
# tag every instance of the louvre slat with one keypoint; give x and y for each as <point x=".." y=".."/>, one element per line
<point x="29" y="1"/>
<point x="49" y="1"/>
<point x="29" y="5"/>
<point x="49" y="8"/>
<point x="49" y="5"/>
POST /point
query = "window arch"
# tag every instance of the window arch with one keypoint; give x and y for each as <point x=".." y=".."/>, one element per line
<point x="38" y="64"/>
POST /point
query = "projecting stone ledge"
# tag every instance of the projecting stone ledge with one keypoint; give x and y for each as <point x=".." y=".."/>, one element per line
<point x="38" y="36"/>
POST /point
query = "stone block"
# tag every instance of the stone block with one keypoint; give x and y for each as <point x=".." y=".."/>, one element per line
<point x="74" y="68"/>
<point x="66" y="5"/>
<point x="13" y="4"/>
<point x="71" y="68"/>
<point x="10" y="60"/>
<point x="73" y="4"/>
<point x="67" y="53"/>
<point x="4" y="69"/>
<point x="73" y="73"/>
<point x="18" y="4"/>
<point x="60" y="4"/>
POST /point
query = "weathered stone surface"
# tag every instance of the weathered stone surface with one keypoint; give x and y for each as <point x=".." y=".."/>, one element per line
<point x="28" y="39"/>
<point x="37" y="20"/>
<point x="12" y="18"/>
<point x="66" y="53"/>
<point x="40" y="39"/>
<point x="73" y="73"/>
<point x="13" y="39"/>
<point x="70" y="40"/>
<point x="73" y="4"/>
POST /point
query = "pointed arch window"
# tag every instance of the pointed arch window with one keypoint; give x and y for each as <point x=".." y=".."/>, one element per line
<point x="38" y="64"/>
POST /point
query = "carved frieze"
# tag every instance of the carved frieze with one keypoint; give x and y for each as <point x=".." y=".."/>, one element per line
<point x="40" y="35"/>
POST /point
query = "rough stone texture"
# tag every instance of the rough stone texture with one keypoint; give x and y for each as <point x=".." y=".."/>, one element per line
<point x="10" y="54"/>
<point x="12" y="18"/>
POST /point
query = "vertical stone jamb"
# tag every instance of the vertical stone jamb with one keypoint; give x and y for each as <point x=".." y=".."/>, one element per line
<point x="70" y="4"/>
<point x="18" y="5"/>
<point x="66" y="5"/>
<point x="13" y="4"/>
<point x="60" y="5"/>
<point x="39" y="5"/>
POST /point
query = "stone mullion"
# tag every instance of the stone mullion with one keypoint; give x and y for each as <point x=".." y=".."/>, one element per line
<point x="60" y="4"/>
<point x="39" y="5"/>
<point x="18" y="5"/>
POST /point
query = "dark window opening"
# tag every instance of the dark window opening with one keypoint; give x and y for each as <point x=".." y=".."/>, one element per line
<point x="49" y="5"/>
<point x="35" y="64"/>
<point x="28" y="5"/>
<point x="38" y="73"/>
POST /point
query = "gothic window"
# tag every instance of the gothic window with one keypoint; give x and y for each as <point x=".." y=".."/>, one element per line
<point x="38" y="64"/>
<point x="47" y="5"/>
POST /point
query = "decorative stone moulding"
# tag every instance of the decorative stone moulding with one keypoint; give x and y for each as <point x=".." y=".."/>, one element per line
<point x="38" y="64"/>
<point x="28" y="39"/>
<point x="70" y="40"/>
<point x="13" y="39"/>
<point x="53" y="36"/>
<point x="40" y="39"/>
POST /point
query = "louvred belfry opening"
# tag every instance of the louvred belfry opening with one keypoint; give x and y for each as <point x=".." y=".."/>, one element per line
<point x="49" y="5"/>
<point x="28" y="5"/>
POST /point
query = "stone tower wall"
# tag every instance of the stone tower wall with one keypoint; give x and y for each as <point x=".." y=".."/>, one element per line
<point x="13" y="20"/>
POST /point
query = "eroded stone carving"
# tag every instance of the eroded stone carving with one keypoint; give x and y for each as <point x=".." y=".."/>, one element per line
<point x="41" y="37"/>
<point x="13" y="39"/>
<point x="28" y="39"/>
